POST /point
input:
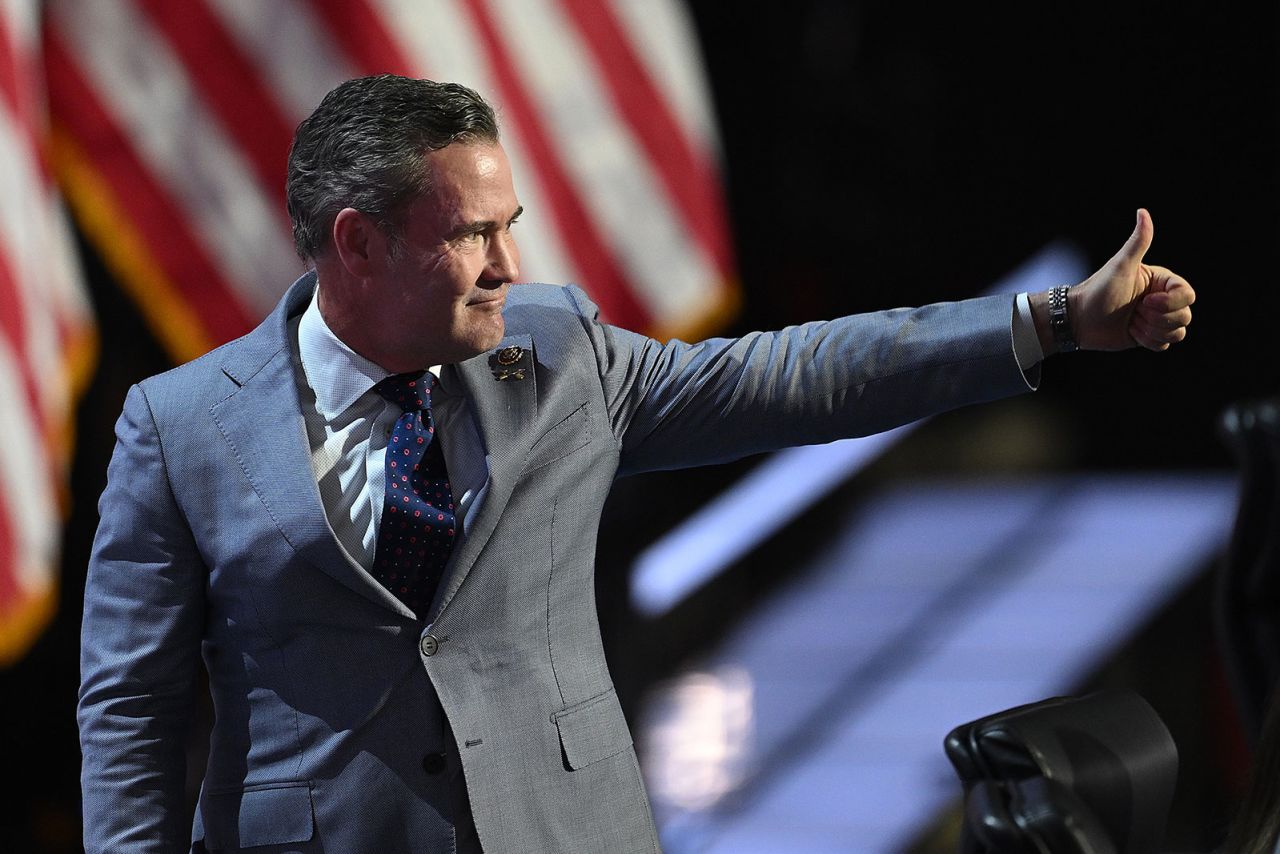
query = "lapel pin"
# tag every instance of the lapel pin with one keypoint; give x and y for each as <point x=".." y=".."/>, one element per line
<point x="503" y="361"/>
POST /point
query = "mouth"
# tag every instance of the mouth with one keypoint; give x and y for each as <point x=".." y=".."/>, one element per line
<point x="490" y="304"/>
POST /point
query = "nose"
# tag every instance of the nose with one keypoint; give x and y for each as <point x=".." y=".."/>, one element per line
<point x="504" y="258"/>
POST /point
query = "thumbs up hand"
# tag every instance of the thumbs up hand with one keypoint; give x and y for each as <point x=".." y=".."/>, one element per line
<point x="1126" y="302"/>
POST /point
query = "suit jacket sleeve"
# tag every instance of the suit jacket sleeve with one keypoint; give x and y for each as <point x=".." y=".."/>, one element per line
<point x="676" y="404"/>
<point x="143" y="619"/>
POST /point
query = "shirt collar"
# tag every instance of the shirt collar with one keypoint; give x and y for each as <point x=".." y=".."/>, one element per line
<point x="338" y="375"/>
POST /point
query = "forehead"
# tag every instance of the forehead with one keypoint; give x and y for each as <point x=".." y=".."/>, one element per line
<point x="466" y="162"/>
<point x="469" y="179"/>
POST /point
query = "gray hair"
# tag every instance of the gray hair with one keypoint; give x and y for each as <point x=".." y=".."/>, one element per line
<point x="363" y="146"/>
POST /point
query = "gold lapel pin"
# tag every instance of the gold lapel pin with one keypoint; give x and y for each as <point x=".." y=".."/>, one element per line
<point x="504" y="359"/>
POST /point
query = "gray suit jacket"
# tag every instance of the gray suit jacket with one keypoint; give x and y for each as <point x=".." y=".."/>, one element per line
<point x="334" y="705"/>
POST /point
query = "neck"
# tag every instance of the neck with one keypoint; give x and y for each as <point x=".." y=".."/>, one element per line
<point x="338" y="299"/>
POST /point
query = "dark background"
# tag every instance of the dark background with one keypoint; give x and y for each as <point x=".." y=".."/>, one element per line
<point x="881" y="154"/>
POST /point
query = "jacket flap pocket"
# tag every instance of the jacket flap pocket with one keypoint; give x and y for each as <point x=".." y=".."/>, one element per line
<point x="592" y="730"/>
<point x="270" y="814"/>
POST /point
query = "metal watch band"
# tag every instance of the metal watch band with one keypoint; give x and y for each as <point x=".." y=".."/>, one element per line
<point x="1060" y="321"/>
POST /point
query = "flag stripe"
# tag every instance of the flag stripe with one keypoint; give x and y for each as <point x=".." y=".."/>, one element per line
<point x="24" y="239"/>
<point x="62" y="263"/>
<point x="45" y="335"/>
<point x="667" y="270"/>
<point x="145" y="88"/>
<point x="228" y="83"/>
<point x="26" y="320"/>
<point x="292" y="49"/>
<point x="20" y="90"/>
<point x="174" y="321"/>
<point x="27" y="485"/>
<point x="663" y="34"/>
<point x="590" y="255"/>
<point x="178" y="253"/>
<point x="684" y="172"/>
<point x="364" y="36"/>
<point x="12" y="316"/>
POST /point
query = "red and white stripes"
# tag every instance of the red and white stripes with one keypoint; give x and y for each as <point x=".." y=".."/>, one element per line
<point x="46" y="340"/>
<point x="173" y="122"/>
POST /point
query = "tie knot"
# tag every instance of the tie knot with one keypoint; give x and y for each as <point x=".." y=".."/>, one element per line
<point x="408" y="391"/>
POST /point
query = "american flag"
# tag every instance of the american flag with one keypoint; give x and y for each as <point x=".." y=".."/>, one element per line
<point x="47" y="341"/>
<point x="172" y="121"/>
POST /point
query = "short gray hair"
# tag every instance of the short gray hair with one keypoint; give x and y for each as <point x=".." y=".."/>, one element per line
<point x="363" y="146"/>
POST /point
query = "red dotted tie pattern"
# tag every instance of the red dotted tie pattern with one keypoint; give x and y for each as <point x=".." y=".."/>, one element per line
<point x="416" y="534"/>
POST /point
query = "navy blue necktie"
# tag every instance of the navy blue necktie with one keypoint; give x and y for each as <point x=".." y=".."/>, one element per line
<point x="416" y="534"/>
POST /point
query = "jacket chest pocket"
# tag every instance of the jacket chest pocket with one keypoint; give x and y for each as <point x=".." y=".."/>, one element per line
<point x="564" y="438"/>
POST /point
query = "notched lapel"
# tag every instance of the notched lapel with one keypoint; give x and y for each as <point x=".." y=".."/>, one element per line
<point x="501" y="389"/>
<point x="263" y="425"/>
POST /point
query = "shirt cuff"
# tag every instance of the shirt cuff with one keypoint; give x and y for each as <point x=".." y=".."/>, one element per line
<point x="1026" y="343"/>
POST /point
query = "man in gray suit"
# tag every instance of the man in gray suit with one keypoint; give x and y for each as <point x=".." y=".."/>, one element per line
<point x="254" y="495"/>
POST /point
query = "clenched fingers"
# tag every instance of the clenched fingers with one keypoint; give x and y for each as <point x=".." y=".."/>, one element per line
<point x="1155" y="335"/>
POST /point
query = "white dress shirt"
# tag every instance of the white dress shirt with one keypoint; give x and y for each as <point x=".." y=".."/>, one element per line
<point x="348" y="424"/>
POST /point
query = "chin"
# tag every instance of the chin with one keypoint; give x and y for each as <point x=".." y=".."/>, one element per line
<point x="474" y="334"/>
<point x="482" y="341"/>
<point x="493" y="335"/>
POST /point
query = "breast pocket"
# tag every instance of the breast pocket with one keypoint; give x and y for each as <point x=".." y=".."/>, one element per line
<point x="566" y="436"/>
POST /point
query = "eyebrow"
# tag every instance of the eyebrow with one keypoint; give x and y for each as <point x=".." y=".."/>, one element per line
<point x="481" y="226"/>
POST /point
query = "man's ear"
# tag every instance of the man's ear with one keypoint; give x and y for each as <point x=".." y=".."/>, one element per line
<point x="358" y="242"/>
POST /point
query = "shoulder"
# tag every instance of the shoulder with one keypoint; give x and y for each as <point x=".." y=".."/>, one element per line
<point x="535" y="299"/>
<point x="210" y="378"/>
<point x="198" y="386"/>
<point x="562" y="324"/>
<point x="551" y="312"/>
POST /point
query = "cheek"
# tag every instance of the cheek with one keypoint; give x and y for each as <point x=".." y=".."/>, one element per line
<point x="444" y="287"/>
<point x="456" y="273"/>
<point x="438" y="270"/>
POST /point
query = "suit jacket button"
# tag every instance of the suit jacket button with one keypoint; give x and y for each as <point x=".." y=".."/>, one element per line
<point x="429" y="645"/>
<point x="433" y="763"/>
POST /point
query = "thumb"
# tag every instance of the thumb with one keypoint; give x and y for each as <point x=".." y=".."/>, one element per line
<point x="1140" y="241"/>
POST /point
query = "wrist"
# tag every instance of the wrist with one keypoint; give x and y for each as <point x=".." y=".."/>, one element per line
<point x="1061" y="319"/>
<point x="1040" y="314"/>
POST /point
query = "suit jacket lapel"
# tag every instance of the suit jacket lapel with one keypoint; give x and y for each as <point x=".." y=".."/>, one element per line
<point x="262" y="422"/>
<point x="502" y="393"/>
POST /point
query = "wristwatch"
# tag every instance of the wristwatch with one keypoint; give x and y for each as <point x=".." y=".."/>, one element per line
<point x="1060" y="321"/>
